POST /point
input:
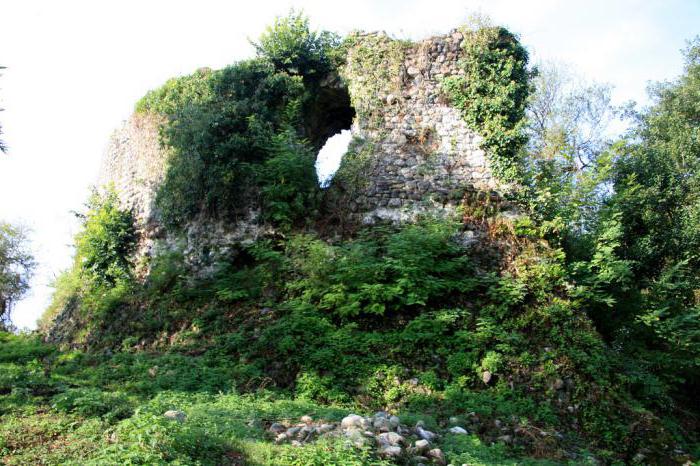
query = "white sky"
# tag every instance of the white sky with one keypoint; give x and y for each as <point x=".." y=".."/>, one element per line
<point x="76" y="68"/>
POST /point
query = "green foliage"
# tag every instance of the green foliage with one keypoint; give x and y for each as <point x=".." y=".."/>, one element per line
<point x="469" y="449"/>
<point x="383" y="273"/>
<point x="672" y="311"/>
<point x="16" y="267"/>
<point x="106" y="241"/>
<point x="492" y="94"/>
<point x="291" y="46"/>
<point x="239" y="134"/>
<point x="372" y="72"/>
<point x="655" y="200"/>
<point x="328" y="452"/>
<point x="102" y="272"/>
<point x="604" y="279"/>
<point x="289" y="185"/>
<point x="242" y="140"/>
<point x="584" y="315"/>
<point x="568" y="162"/>
<point x="66" y="288"/>
<point x="217" y="145"/>
<point x="90" y="402"/>
<point x="177" y="93"/>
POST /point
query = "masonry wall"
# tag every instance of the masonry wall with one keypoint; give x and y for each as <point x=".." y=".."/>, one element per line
<point x="134" y="162"/>
<point x="414" y="150"/>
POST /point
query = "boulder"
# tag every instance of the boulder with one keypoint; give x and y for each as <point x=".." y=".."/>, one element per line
<point x="390" y="438"/>
<point x="394" y="422"/>
<point x="175" y="415"/>
<point x="390" y="451"/>
<point x="382" y="424"/>
<point x="437" y="455"/>
<point x="356" y="438"/>
<point x="421" y="445"/>
<point x="425" y="434"/>
<point x="277" y="428"/>
<point x="352" y="420"/>
<point x="323" y="428"/>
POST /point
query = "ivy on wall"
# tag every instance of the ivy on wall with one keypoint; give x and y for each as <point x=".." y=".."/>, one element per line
<point x="372" y="73"/>
<point x="492" y="94"/>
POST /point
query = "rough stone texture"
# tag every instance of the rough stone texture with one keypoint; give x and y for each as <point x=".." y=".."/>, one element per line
<point x="417" y="152"/>
<point x="134" y="162"/>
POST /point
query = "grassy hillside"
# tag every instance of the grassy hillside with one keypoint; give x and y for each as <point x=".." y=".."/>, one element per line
<point x="77" y="408"/>
<point x="565" y="334"/>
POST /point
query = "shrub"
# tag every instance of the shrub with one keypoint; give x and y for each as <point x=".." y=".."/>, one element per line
<point x="243" y="143"/>
<point x="290" y="45"/>
<point x="327" y="452"/>
<point x="177" y="93"/>
<point x="90" y="402"/>
<point x="106" y="241"/>
<point x="382" y="272"/>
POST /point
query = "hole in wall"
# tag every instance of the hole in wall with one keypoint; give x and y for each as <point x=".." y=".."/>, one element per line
<point x="330" y="155"/>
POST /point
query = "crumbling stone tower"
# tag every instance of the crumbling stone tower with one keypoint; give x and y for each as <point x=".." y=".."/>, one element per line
<point x="412" y="151"/>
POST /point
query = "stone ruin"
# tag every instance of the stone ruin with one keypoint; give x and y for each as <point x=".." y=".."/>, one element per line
<point x="411" y="151"/>
<point x="414" y="150"/>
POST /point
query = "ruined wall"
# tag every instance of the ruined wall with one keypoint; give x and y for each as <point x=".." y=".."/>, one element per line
<point x="135" y="163"/>
<point x="414" y="150"/>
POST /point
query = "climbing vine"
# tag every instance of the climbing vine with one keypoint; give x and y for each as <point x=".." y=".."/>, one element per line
<point x="373" y="73"/>
<point x="492" y="94"/>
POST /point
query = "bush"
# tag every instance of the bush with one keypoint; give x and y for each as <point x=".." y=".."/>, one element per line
<point x="290" y="45"/>
<point x="382" y="272"/>
<point x="327" y="452"/>
<point x="176" y="93"/>
<point x="90" y="402"/>
<point x="242" y="143"/>
<point x="106" y="241"/>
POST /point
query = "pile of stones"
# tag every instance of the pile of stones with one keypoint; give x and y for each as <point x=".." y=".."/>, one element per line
<point x="386" y="433"/>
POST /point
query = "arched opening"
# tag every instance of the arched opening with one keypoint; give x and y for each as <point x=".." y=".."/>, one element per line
<point x="328" y="126"/>
<point x="330" y="112"/>
<point x="330" y="155"/>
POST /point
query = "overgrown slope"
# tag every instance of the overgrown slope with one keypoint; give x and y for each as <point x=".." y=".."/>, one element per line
<point x="520" y="337"/>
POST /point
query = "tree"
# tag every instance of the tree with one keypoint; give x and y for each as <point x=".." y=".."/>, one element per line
<point x="567" y="161"/>
<point x="656" y="197"/>
<point x="16" y="268"/>
<point x="568" y="117"/>
<point x="291" y="46"/>
<point x="657" y="176"/>
<point x="3" y="147"/>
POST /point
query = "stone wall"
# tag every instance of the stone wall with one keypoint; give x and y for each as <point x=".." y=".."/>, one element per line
<point x="413" y="149"/>
<point x="134" y="162"/>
